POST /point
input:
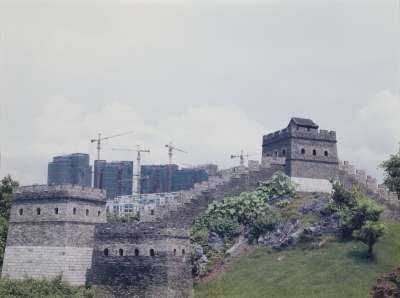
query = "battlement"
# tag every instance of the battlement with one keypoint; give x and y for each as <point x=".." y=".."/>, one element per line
<point x="58" y="191"/>
<point x="312" y="134"/>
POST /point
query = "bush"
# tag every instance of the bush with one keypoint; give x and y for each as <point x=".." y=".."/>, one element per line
<point x="369" y="234"/>
<point x="30" y="288"/>
<point x="225" y="227"/>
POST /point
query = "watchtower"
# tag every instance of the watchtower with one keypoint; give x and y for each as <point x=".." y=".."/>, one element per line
<point x="51" y="232"/>
<point x="309" y="152"/>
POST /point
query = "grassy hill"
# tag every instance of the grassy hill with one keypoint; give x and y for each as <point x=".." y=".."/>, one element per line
<point x="339" y="269"/>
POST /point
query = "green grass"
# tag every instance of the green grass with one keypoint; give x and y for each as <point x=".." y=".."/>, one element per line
<point x="339" y="269"/>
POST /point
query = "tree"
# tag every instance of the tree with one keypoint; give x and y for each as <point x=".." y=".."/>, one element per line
<point x="6" y="187"/>
<point x="369" y="234"/>
<point x="392" y="173"/>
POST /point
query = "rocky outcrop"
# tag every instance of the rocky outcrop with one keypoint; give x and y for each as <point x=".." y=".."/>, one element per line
<point x="284" y="235"/>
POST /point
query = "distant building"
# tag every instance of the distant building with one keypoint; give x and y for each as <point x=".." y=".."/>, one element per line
<point x="70" y="169"/>
<point x="211" y="169"/>
<point x="155" y="178"/>
<point x="115" y="177"/>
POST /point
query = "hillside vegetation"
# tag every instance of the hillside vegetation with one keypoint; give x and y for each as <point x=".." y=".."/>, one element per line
<point x="339" y="269"/>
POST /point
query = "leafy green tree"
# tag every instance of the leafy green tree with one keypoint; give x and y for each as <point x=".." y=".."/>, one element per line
<point x="279" y="186"/>
<point x="343" y="198"/>
<point x="369" y="234"/>
<point x="356" y="217"/>
<point x="6" y="187"/>
<point x="392" y="173"/>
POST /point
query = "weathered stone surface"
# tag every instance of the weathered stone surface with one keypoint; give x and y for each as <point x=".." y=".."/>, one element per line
<point x="215" y="242"/>
<point x="284" y="235"/>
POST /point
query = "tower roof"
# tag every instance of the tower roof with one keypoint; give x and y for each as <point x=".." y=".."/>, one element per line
<point x="303" y="122"/>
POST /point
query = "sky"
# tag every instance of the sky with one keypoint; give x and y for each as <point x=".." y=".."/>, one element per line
<point x="211" y="76"/>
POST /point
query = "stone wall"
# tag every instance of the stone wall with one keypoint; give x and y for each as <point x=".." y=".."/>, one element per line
<point x="51" y="232"/>
<point x="141" y="260"/>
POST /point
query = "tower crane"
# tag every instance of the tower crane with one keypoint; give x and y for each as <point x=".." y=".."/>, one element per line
<point x="171" y="148"/>
<point x="100" y="139"/>
<point x="242" y="156"/>
<point x="138" y="150"/>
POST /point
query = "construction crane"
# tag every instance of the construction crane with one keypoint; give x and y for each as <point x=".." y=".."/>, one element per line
<point x="171" y="148"/>
<point x="242" y="156"/>
<point x="100" y="139"/>
<point x="139" y="151"/>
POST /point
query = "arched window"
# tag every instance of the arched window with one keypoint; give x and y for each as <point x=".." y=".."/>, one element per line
<point x="105" y="251"/>
<point x="326" y="153"/>
<point x="38" y="211"/>
<point x="174" y="251"/>
<point x="276" y="153"/>
<point x="74" y="211"/>
<point x="121" y="252"/>
<point x="283" y="152"/>
<point x="303" y="151"/>
<point x="136" y="252"/>
<point x="87" y="212"/>
<point x="56" y="210"/>
<point x="152" y="212"/>
<point x="314" y="152"/>
<point x="21" y="211"/>
<point x="152" y="252"/>
<point x="183" y="252"/>
<point x="98" y="213"/>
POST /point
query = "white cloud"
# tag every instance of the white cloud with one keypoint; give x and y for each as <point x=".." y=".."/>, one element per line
<point x="374" y="133"/>
<point x="210" y="133"/>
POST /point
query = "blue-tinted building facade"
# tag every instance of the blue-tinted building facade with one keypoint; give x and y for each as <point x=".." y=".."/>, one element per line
<point x="155" y="178"/>
<point x="70" y="169"/>
<point x="115" y="177"/>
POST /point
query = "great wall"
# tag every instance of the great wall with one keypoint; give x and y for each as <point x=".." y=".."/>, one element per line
<point x="62" y="229"/>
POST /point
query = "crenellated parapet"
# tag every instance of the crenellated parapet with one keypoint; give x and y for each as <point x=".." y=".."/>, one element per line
<point x="58" y="191"/>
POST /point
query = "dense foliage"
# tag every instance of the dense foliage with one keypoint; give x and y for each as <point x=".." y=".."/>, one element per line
<point x="392" y="173"/>
<point x="29" y="288"/>
<point x="360" y="216"/>
<point x="253" y="211"/>
<point x="6" y="187"/>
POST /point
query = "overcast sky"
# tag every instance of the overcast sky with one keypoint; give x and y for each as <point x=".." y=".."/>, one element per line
<point x="212" y="76"/>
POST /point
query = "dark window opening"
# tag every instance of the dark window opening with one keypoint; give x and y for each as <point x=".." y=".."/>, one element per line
<point x="136" y="252"/>
<point x="38" y="211"/>
<point x="314" y="152"/>
<point x="106" y="252"/>
<point x="174" y="251"/>
<point x="21" y="211"/>
<point x="152" y="212"/>
<point x="74" y="211"/>
<point x="326" y="153"/>
<point x="87" y="212"/>
<point x="55" y="210"/>
<point x="284" y="152"/>
<point x="303" y="151"/>
<point x="183" y="252"/>
<point x="152" y="253"/>
<point x="121" y="252"/>
<point x="98" y="213"/>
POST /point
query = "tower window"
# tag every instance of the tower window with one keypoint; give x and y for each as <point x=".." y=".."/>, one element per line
<point x="98" y="213"/>
<point x="21" y="211"/>
<point x="105" y="252"/>
<point x="326" y="153"/>
<point x="55" y="210"/>
<point x="183" y="252"/>
<point x="38" y="211"/>
<point x="152" y="212"/>
<point x="283" y="152"/>
<point x="174" y="251"/>
<point x="121" y="252"/>
<point x="87" y="212"/>
<point x="152" y="253"/>
<point x="136" y="252"/>
<point x="314" y="152"/>
<point x="74" y="211"/>
<point x="303" y="151"/>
